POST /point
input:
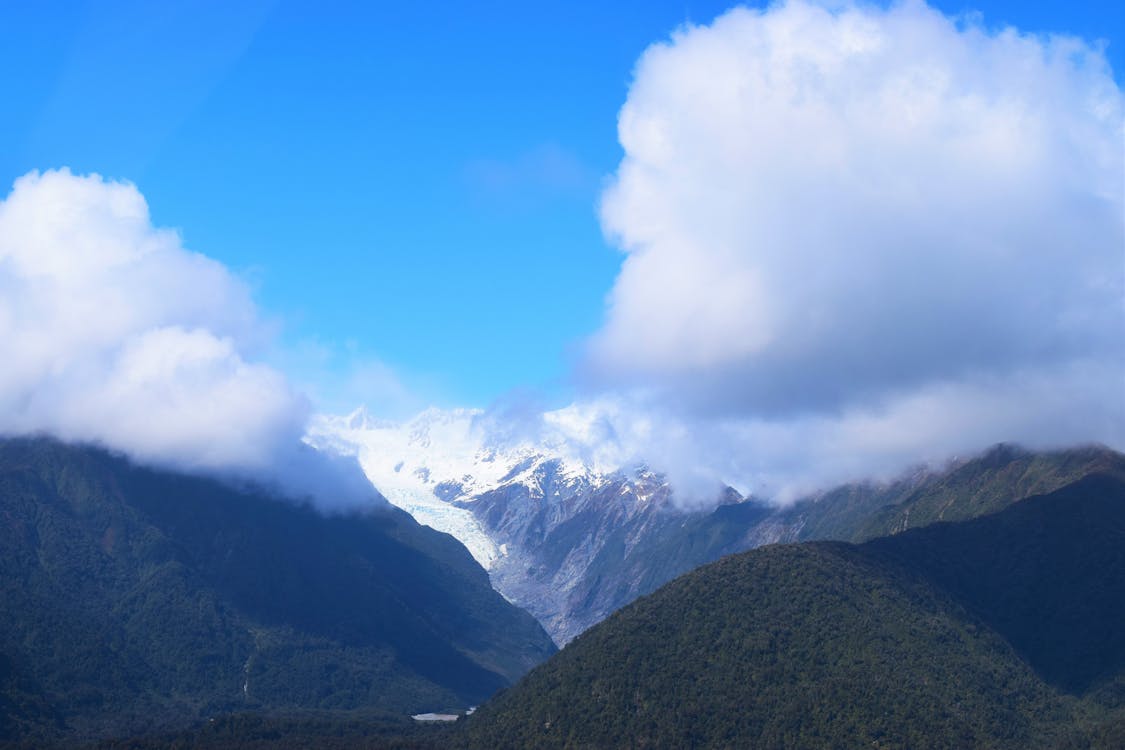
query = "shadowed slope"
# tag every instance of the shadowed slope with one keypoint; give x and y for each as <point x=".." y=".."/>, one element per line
<point x="136" y="599"/>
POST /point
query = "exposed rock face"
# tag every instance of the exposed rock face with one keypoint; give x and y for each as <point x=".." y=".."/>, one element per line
<point x="561" y="538"/>
<point x="566" y="539"/>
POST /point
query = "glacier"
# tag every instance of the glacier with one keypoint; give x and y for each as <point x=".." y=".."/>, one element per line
<point x="435" y="465"/>
<point x="566" y="524"/>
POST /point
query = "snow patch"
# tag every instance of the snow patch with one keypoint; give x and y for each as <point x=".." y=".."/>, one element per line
<point x="438" y="462"/>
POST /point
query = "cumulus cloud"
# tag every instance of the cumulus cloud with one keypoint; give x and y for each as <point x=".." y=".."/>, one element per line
<point x="114" y="334"/>
<point x="867" y="235"/>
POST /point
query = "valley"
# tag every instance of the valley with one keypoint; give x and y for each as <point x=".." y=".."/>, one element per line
<point x="572" y="543"/>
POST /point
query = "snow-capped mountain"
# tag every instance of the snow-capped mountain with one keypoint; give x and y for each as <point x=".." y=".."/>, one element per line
<point x="437" y="464"/>
<point x="535" y="509"/>
<point x="569" y="535"/>
<point x="407" y="462"/>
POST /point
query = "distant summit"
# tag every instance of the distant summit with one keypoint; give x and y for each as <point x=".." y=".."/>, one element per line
<point x="437" y="464"/>
<point x="532" y="509"/>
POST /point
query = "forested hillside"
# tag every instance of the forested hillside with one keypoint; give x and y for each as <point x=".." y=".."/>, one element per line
<point x="996" y="632"/>
<point x="137" y="599"/>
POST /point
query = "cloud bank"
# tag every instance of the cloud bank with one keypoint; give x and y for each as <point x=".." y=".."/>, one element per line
<point x="858" y="237"/>
<point x="114" y="334"/>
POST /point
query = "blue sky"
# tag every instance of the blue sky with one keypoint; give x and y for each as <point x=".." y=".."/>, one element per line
<point x="412" y="184"/>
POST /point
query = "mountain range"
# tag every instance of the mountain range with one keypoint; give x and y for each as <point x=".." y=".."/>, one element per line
<point x="984" y="597"/>
<point x="571" y="540"/>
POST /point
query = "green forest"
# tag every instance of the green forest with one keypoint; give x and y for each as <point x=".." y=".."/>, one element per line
<point x="149" y="609"/>
<point x="1000" y="632"/>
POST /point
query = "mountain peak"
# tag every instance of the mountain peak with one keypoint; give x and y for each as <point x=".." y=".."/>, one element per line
<point x="358" y="419"/>
<point x="1002" y="454"/>
<point x="442" y="459"/>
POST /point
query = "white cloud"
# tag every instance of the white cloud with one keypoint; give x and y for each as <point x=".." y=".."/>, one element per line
<point x="784" y="457"/>
<point x="869" y="234"/>
<point x="113" y="333"/>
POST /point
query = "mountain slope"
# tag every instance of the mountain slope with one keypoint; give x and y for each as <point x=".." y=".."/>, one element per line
<point x="136" y="599"/>
<point x="988" y="483"/>
<point x="956" y="635"/>
<point x="1048" y="574"/>
<point x="665" y="541"/>
<point x="628" y="537"/>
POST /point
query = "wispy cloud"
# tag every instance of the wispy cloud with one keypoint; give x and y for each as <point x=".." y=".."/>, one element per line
<point x="339" y="376"/>
<point x="539" y="174"/>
